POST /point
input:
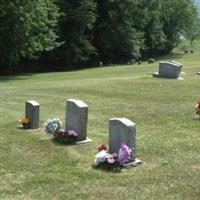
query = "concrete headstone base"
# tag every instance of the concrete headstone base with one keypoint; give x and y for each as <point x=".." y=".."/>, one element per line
<point x="87" y="140"/>
<point x="134" y="163"/>
<point x="156" y="75"/>
<point x="28" y="129"/>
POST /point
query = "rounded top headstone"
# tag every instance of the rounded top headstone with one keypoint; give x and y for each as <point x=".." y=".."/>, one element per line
<point x="175" y="62"/>
<point x="125" y="121"/>
<point x="79" y="103"/>
<point x="34" y="103"/>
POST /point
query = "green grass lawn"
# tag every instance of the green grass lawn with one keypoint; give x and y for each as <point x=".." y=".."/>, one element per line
<point x="168" y="139"/>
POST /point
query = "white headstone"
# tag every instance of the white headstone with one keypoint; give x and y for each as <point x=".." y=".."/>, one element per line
<point x="76" y="118"/>
<point x="32" y="109"/>
<point x="122" y="130"/>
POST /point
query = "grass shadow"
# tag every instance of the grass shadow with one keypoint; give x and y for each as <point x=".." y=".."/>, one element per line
<point x="108" y="168"/>
<point x="15" y="77"/>
<point x="58" y="143"/>
<point x="20" y="128"/>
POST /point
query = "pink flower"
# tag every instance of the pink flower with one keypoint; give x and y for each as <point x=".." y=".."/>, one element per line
<point x="110" y="158"/>
<point x="72" y="133"/>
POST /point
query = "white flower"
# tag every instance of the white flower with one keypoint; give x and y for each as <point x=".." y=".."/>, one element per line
<point x="100" y="157"/>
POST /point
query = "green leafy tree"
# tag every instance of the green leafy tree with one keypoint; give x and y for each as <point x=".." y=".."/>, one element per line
<point x="27" y="29"/>
<point x="178" y="16"/>
<point x="115" y="37"/>
<point x="152" y="27"/>
<point x="76" y="31"/>
<point x="194" y="32"/>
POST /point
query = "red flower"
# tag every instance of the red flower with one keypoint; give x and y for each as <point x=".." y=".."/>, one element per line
<point x="102" y="147"/>
<point x="61" y="132"/>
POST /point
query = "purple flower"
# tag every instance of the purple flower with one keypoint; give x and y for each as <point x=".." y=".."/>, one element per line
<point x="124" y="154"/>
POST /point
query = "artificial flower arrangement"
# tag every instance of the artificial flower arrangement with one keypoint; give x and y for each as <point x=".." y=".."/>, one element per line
<point x="197" y="108"/>
<point x="113" y="161"/>
<point x="24" y="121"/>
<point x="54" y="127"/>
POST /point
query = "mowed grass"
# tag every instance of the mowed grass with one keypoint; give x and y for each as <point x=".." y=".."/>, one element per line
<point x="168" y="138"/>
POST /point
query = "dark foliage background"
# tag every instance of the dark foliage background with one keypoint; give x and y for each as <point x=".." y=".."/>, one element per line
<point x="55" y="35"/>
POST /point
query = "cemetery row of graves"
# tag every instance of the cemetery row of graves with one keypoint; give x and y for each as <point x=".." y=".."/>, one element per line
<point x="122" y="133"/>
<point x="121" y="150"/>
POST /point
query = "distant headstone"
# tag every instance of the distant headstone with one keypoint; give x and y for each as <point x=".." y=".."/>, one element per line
<point x="101" y="64"/>
<point x="132" y="61"/>
<point x="76" y="119"/>
<point x="122" y="130"/>
<point x="32" y="109"/>
<point x="169" y="69"/>
<point x="198" y="73"/>
<point x="177" y="63"/>
<point x="191" y="51"/>
<point x="151" y="60"/>
<point x="186" y="51"/>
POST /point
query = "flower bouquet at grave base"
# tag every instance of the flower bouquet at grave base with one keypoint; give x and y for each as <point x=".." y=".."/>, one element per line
<point x="112" y="161"/>
<point x="24" y="121"/>
<point x="197" y="108"/>
<point x="54" y="127"/>
<point x="65" y="136"/>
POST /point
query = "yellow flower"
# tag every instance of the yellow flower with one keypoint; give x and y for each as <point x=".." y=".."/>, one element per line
<point x="23" y="120"/>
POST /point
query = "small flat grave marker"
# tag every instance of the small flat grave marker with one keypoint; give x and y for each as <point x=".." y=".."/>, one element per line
<point x="151" y="60"/>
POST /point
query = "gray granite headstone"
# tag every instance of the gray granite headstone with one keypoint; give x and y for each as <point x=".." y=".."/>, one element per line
<point x="122" y="130"/>
<point x="76" y="119"/>
<point x="169" y="69"/>
<point x="177" y="63"/>
<point x="32" y="109"/>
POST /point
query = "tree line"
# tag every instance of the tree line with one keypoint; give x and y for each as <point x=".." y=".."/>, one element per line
<point x="70" y="34"/>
